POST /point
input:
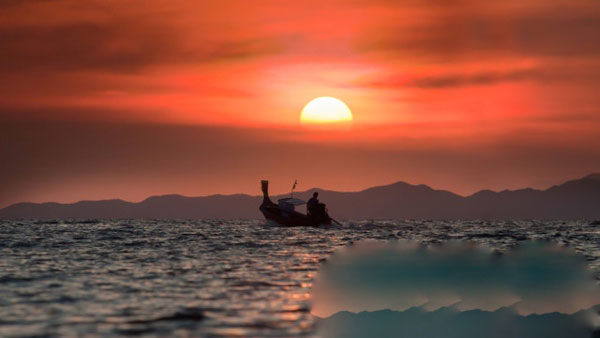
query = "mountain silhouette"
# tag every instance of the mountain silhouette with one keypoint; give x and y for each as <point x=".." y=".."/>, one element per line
<point x="575" y="199"/>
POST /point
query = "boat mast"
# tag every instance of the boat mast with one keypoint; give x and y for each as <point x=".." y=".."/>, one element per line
<point x="294" y="187"/>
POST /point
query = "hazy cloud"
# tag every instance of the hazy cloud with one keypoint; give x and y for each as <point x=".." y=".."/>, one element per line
<point x="116" y="46"/>
<point x="481" y="78"/>
<point x="475" y="32"/>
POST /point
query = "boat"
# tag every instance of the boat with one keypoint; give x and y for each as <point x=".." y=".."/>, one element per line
<point x="283" y="213"/>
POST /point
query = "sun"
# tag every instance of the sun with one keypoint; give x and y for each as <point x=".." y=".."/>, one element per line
<point x="325" y="109"/>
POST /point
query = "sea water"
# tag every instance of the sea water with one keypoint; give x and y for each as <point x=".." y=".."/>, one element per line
<point x="206" y="277"/>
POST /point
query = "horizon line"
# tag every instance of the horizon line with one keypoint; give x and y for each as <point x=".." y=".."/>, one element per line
<point x="303" y="191"/>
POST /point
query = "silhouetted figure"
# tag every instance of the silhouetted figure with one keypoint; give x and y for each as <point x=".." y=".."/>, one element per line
<point x="315" y="209"/>
<point x="312" y="203"/>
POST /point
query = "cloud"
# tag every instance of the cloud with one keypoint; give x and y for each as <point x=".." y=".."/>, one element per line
<point x="468" y="31"/>
<point x="16" y="3"/>
<point x="456" y="80"/>
<point x="549" y="74"/>
<point x="116" y="46"/>
<point x="484" y="78"/>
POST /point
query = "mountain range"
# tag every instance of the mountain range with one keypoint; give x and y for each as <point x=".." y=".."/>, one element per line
<point x="575" y="199"/>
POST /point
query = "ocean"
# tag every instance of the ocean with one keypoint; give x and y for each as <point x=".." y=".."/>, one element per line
<point x="214" y="278"/>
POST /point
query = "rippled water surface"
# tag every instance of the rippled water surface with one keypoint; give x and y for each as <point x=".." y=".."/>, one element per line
<point x="205" y="277"/>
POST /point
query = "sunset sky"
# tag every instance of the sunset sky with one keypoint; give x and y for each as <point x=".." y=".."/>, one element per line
<point x="127" y="99"/>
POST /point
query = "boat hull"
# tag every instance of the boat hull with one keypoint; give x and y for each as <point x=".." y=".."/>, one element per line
<point x="291" y="218"/>
<point x="287" y="216"/>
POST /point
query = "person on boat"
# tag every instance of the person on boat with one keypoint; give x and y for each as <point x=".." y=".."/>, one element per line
<point x="315" y="209"/>
<point x="313" y="203"/>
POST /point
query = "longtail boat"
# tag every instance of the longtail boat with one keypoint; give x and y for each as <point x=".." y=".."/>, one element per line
<point x="284" y="213"/>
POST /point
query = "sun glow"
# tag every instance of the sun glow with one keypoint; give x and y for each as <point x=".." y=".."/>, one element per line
<point x="325" y="109"/>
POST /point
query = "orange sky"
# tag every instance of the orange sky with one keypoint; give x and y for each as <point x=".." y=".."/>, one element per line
<point x="205" y="97"/>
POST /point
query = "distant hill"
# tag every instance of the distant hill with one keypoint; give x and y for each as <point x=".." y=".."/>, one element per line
<point x="576" y="199"/>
